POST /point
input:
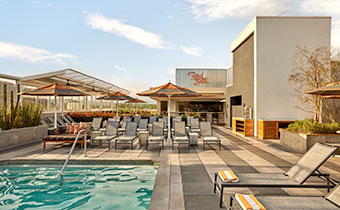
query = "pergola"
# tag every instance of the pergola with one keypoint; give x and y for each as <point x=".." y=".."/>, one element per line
<point x="72" y="78"/>
<point x="75" y="79"/>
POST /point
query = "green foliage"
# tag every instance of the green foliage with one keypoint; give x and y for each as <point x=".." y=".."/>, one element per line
<point x="18" y="116"/>
<point x="29" y="114"/>
<point x="314" y="127"/>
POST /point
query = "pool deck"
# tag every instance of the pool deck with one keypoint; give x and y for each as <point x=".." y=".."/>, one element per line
<point x="185" y="177"/>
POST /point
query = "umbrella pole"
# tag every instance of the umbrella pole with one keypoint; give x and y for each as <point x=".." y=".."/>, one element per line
<point x="117" y="109"/>
<point x="55" y="111"/>
<point x="169" y="127"/>
<point x="136" y="109"/>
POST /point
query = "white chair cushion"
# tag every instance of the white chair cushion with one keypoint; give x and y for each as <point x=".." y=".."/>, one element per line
<point x="210" y="138"/>
<point x="181" y="138"/>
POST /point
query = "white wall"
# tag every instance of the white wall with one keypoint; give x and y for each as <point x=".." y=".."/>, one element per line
<point x="276" y="41"/>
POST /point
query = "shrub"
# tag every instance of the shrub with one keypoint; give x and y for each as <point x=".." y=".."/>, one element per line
<point x="314" y="127"/>
<point x="26" y="115"/>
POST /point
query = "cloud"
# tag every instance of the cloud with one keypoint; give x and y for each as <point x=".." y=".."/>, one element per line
<point x="136" y="34"/>
<point x="328" y="8"/>
<point x="31" y="54"/>
<point x="196" y="51"/>
<point x="209" y="10"/>
<point x="133" y="33"/>
<point x="121" y="69"/>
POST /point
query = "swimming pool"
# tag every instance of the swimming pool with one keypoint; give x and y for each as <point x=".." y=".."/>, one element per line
<point x="83" y="187"/>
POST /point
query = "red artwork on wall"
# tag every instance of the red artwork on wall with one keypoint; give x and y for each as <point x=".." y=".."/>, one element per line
<point x="199" y="78"/>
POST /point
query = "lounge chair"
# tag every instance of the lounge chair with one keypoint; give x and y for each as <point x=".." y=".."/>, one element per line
<point x="180" y="136"/>
<point x="329" y="202"/>
<point x="68" y="121"/>
<point x="207" y="134"/>
<point x="157" y="134"/>
<point x="111" y="132"/>
<point x="152" y="119"/>
<point x="70" y="118"/>
<point x="143" y="125"/>
<point x="59" y="124"/>
<point x="165" y="121"/>
<point x="96" y="123"/>
<point x="188" y="119"/>
<point x="137" y="119"/>
<point x="195" y="125"/>
<point x="296" y="177"/>
<point x="122" y="129"/>
<point x="129" y="136"/>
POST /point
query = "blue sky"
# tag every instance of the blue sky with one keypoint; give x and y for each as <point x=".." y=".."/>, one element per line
<point x="132" y="43"/>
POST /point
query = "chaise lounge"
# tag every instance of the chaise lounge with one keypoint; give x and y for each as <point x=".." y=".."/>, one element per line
<point x="296" y="177"/>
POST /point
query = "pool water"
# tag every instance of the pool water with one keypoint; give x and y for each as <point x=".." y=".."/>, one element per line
<point x="83" y="187"/>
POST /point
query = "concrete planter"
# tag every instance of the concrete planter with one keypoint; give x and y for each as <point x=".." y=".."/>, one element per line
<point x="14" y="137"/>
<point x="301" y="142"/>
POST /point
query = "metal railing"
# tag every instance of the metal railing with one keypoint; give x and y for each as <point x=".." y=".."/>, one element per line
<point x="72" y="148"/>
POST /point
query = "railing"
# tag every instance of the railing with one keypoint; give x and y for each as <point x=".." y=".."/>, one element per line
<point x="72" y="148"/>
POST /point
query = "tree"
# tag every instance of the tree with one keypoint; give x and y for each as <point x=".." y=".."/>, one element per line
<point x="312" y="70"/>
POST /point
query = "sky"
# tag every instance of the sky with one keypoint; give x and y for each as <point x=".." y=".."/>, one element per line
<point x="134" y="44"/>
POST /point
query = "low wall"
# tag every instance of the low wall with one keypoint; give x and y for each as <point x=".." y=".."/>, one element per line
<point x="14" y="137"/>
<point x="302" y="142"/>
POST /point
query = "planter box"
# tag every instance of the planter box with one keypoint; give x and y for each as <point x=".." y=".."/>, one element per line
<point x="302" y="142"/>
<point x="14" y="137"/>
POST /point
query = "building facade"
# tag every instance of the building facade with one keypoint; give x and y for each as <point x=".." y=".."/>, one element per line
<point x="263" y="57"/>
<point x="208" y="82"/>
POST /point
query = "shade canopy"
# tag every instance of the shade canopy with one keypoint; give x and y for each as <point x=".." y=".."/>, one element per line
<point x="331" y="90"/>
<point x="54" y="89"/>
<point x="118" y="96"/>
<point x="135" y="101"/>
<point x="169" y="89"/>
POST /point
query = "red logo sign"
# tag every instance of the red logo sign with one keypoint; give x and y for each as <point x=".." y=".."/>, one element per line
<point x="199" y="78"/>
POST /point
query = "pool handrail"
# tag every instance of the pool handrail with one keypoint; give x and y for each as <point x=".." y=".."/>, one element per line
<point x="72" y="148"/>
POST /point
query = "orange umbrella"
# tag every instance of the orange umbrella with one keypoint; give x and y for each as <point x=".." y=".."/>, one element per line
<point x="169" y="90"/>
<point x="55" y="90"/>
<point x="118" y="96"/>
<point x="135" y="101"/>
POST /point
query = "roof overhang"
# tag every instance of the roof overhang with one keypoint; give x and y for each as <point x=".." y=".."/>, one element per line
<point x="74" y="79"/>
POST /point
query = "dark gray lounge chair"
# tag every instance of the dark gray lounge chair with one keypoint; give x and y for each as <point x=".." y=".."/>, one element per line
<point x="68" y="121"/>
<point x="157" y="134"/>
<point x="207" y="134"/>
<point x="143" y="125"/>
<point x="70" y="118"/>
<point x="111" y="132"/>
<point x="330" y="202"/>
<point x="195" y="125"/>
<point x="180" y="136"/>
<point x="296" y="177"/>
<point x="129" y="136"/>
<point x="122" y="129"/>
<point x="152" y="119"/>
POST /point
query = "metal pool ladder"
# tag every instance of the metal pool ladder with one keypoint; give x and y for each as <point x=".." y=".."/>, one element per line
<point x="72" y="148"/>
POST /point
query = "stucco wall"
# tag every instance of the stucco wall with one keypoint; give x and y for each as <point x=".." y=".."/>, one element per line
<point x="276" y="42"/>
<point x="243" y="75"/>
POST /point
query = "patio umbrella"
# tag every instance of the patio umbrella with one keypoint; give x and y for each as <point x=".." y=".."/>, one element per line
<point x="331" y="90"/>
<point x="55" y="90"/>
<point x="117" y="96"/>
<point x="169" y="90"/>
<point x="135" y="101"/>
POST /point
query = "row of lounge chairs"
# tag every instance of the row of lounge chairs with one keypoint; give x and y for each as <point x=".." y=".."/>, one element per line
<point x="296" y="177"/>
<point x="125" y="132"/>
